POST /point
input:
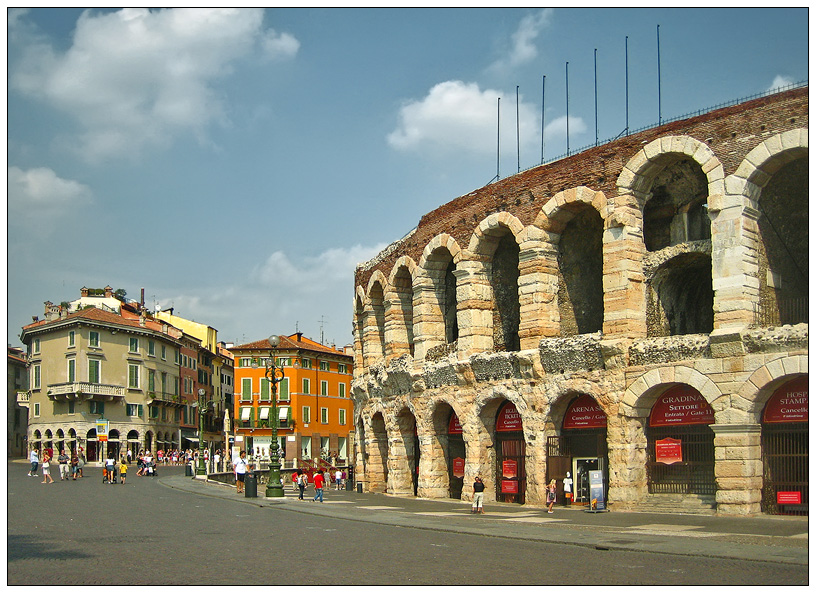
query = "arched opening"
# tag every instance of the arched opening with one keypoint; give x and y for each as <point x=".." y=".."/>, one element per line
<point x="785" y="450"/>
<point x="377" y="468"/>
<point x="580" y="273"/>
<point x="91" y="446"/>
<point x="60" y="446"/>
<point x="676" y="211"/>
<point x="72" y="440"/>
<point x="455" y="455"/>
<point x="511" y="452"/>
<point x="406" y="455"/>
<point x="133" y="443"/>
<point x="404" y="290"/>
<point x="376" y="340"/>
<point x="680" y="444"/>
<point x="359" y="324"/>
<point x="148" y="442"/>
<point x="112" y="445"/>
<point x="439" y="268"/>
<point x="504" y="277"/>
<point x="680" y="297"/>
<point x="783" y="246"/>
<point x="579" y="450"/>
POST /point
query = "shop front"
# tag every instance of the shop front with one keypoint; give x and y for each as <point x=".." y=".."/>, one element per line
<point x="456" y="457"/>
<point x="511" y="476"/>
<point x="680" y="444"/>
<point x="785" y="450"/>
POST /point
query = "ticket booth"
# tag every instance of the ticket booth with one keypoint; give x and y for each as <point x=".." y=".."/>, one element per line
<point x="785" y="450"/>
<point x="456" y="457"/>
<point x="511" y="476"/>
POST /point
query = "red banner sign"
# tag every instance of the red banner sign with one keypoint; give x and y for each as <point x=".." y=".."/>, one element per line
<point x="453" y="425"/>
<point x="789" y="403"/>
<point x="681" y="405"/>
<point x="509" y="420"/>
<point x="788" y="498"/>
<point x="584" y="412"/>
<point x="509" y="468"/>
<point x="459" y="467"/>
<point x="509" y="487"/>
<point x="668" y="451"/>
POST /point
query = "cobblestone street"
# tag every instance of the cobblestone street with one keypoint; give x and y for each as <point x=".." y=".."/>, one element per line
<point x="149" y="533"/>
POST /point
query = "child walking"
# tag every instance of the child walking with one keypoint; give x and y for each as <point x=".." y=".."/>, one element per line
<point x="123" y="469"/>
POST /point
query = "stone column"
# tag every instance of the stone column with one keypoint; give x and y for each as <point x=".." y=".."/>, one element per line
<point x="474" y="307"/>
<point x="738" y="468"/>
<point x="623" y="280"/>
<point x="429" y="327"/>
<point x="538" y="292"/>
<point x="433" y="467"/>
<point x="626" y="444"/>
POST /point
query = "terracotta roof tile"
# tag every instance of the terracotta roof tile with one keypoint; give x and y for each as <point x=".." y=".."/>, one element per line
<point x="292" y="343"/>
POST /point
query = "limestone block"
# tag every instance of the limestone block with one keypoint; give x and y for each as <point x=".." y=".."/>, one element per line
<point x="737" y="469"/>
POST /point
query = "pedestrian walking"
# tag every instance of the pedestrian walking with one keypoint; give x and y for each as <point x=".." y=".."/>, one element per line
<point x="34" y="458"/>
<point x="46" y="469"/>
<point x="110" y="468"/>
<point x="123" y="469"/>
<point x="338" y="479"/>
<point x="318" y="484"/>
<point x="63" y="460"/>
<point x="240" y="468"/>
<point x="80" y="463"/>
<point x="74" y="465"/>
<point x="550" y="495"/>
<point x="478" y="496"/>
<point x="301" y="483"/>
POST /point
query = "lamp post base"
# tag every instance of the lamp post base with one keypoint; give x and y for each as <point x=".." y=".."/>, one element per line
<point x="274" y="488"/>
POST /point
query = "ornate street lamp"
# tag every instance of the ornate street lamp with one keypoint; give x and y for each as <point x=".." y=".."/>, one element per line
<point x="274" y="374"/>
<point x="200" y="469"/>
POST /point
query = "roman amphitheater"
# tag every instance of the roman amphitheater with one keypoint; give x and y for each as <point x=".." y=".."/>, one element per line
<point x="630" y="321"/>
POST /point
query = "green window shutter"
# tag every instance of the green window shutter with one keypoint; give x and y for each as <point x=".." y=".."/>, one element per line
<point x="141" y="410"/>
<point x="264" y="388"/>
<point x="283" y="389"/>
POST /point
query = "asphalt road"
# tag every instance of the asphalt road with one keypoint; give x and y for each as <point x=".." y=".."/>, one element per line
<point x="85" y="532"/>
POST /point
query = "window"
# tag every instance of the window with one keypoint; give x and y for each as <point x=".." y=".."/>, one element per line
<point x="151" y="348"/>
<point x="71" y="407"/>
<point x="154" y="411"/>
<point x="246" y="389"/>
<point x="177" y="415"/>
<point x="341" y="368"/>
<point x="36" y="345"/>
<point x="342" y="417"/>
<point x="324" y="365"/>
<point x="306" y="386"/>
<point x="283" y="390"/>
<point x="97" y="407"/>
<point x="164" y="352"/>
<point x="164" y="414"/>
<point x="93" y="339"/>
<point x="284" y="362"/>
<point x="35" y="371"/>
<point x="36" y="409"/>
<point x="133" y="376"/>
<point x="94" y="371"/>
<point x="306" y="415"/>
<point x="307" y="363"/>
<point x="324" y="388"/>
<point x="342" y="390"/>
<point x="324" y="415"/>
<point x="176" y="356"/>
<point x="71" y="370"/>
<point x="244" y="362"/>
<point x="264" y="389"/>
<point x="151" y="381"/>
<point x="71" y="338"/>
<point x="133" y="409"/>
<point x="134" y="345"/>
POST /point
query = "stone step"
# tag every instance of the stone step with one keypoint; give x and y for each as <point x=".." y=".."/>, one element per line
<point x="690" y="504"/>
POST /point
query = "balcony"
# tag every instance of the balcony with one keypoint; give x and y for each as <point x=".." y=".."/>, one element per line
<point x="23" y="398"/>
<point x="76" y="391"/>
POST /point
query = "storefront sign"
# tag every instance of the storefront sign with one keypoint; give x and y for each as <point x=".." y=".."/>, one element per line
<point x="509" y="468"/>
<point x="596" y="490"/>
<point x="102" y="427"/>
<point x="789" y="403"/>
<point x="458" y="467"/>
<point x="668" y="451"/>
<point x="788" y="498"/>
<point x="453" y="426"/>
<point x="509" y="487"/>
<point x="509" y="419"/>
<point x="584" y="412"/>
<point x="681" y="405"/>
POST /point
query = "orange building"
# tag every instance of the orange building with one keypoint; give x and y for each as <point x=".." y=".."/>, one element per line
<point x="314" y="404"/>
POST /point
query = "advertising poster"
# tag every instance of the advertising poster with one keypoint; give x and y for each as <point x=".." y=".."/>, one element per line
<point x="102" y="427"/>
<point x="596" y="490"/>
<point x="509" y="468"/>
<point x="458" y="467"/>
<point x="668" y="451"/>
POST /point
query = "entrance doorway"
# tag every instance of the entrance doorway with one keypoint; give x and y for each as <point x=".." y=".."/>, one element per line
<point x="456" y="457"/>
<point x="511" y="452"/>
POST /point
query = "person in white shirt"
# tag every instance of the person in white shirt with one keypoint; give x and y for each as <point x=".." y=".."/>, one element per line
<point x="240" y="466"/>
<point x="338" y="479"/>
<point x="35" y="461"/>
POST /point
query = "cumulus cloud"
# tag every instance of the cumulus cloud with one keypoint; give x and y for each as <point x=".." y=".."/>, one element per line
<point x="137" y="77"/>
<point x="522" y="48"/>
<point x="39" y="197"/>
<point x="780" y="82"/>
<point x="459" y="116"/>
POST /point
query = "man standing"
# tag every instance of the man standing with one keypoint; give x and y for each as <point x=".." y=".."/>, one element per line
<point x="338" y="479"/>
<point x="63" y="464"/>
<point x="35" y="462"/>
<point x="240" y="467"/>
<point x="478" y="496"/>
<point x="318" y="484"/>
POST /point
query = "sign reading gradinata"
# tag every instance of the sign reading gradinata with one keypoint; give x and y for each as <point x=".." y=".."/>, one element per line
<point x="680" y="405"/>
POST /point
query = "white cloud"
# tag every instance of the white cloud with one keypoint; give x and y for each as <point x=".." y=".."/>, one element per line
<point x="781" y="81"/>
<point x="458" y="116"/>
<point x="522" y="47"/>
<point x="38" y="198"/>
<point x="557" y="129"/>
<point x="136" y="77"/>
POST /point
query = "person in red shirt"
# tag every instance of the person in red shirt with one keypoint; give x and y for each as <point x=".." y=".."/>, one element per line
<point x="318" y="484"/>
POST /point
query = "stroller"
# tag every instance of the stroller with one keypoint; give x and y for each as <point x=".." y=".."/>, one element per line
<point x="150" y="468"/>
<point x="112" y="477"/>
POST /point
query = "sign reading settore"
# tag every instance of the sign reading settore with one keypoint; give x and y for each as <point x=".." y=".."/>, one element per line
<point x="789" y="403"/>
<point x="584" y="412"/>
<point x="681" y="405"/>
<point x="668" y="451"/>
<point x="509" y="419"/>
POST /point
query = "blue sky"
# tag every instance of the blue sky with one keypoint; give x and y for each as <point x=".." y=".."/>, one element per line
<point x="238" y="164"/>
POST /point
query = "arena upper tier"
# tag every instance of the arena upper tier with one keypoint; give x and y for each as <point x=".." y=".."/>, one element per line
<point x="634" y="315"/>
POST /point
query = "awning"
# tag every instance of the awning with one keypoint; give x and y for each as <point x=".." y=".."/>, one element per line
<point x="264" y="414"/>
<point x="245" y="413"/>
<point x="283" y="413"/>
<point x="193" y="439"/>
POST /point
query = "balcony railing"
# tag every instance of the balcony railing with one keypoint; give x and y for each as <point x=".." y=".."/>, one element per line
<point x="23" y="398"/>
<point x="783" y="311"/>
<point x="85" y="389"/>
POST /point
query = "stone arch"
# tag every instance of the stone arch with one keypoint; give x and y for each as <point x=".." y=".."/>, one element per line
<point x="679" y="294"/>
<point x="399" y="308"/>
<point x="573" y="221"/>
<point x="374" y="328"/>
<point x="753" y="394"/>
<point x="359" y="326"/>
<point x="436" y="321"/>
<point x="403" y="453"/>
<point x="377" y="452"/>
<point x="436" y="469"/>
